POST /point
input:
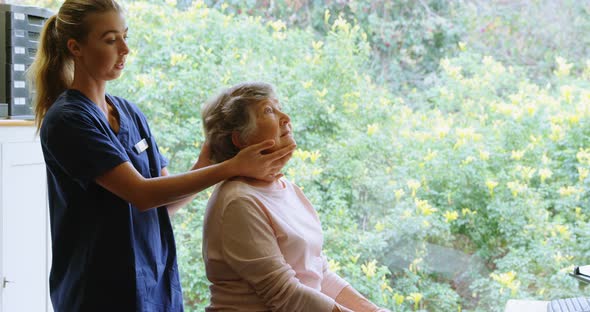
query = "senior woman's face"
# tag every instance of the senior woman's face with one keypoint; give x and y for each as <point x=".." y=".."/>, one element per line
<point x="271" y="123"/>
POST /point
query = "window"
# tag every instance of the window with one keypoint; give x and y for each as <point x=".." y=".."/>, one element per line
<point x="445" y="144"/>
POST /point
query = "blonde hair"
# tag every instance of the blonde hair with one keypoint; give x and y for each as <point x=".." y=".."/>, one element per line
<point x="231" y="111"/>
<point x="52" y="70"/>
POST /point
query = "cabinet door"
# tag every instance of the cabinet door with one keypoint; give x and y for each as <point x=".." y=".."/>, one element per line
<point x="23" y="231"/>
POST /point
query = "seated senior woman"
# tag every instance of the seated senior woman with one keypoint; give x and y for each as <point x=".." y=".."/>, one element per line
<point x="262" y="241"/>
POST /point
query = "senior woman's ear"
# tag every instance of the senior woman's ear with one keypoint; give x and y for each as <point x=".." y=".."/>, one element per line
<point x="235" y="139"/>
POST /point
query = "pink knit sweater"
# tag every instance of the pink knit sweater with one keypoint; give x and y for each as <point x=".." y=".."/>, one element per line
<point x="262" y="247"/>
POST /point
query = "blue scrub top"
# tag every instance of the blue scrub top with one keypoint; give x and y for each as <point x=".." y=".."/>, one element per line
<point x="107" y="255"/>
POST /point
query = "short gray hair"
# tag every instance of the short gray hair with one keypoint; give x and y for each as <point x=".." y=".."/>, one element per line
<point x="230" y="111"/>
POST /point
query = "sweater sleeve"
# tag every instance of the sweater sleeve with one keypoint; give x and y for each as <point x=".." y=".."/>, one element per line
<point x="250" y="248"/>
<point x="332" y="284"/>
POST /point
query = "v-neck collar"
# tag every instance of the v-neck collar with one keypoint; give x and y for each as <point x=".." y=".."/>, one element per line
<point x="123" y="129"/>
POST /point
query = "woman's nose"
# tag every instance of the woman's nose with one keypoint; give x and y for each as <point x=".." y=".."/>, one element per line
<point x="124" y="48"/>
<point x="285" y="119"/>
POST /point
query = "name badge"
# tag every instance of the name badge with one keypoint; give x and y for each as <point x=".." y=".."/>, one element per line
<point x="141" y="146"/>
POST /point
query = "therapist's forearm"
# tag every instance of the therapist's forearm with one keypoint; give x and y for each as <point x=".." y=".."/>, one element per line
<point x="147" y="193"/>
<point x="170" y="189"/>
<point x="175" y="206"/>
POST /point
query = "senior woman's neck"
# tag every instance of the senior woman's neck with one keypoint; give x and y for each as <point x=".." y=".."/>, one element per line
<point x="276" y="184"/>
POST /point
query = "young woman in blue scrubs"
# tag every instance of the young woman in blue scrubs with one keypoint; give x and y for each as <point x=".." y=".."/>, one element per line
<point x="110" y="195"/>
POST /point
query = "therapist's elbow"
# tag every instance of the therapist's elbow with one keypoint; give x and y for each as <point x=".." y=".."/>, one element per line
<point x="142" y="201"/>
<point x="135" y="196"/>
<point x="143" y="207"/>
<point x="143" y="204"/>
<point x="126" y="183"/>
<point x="147" y="195"/>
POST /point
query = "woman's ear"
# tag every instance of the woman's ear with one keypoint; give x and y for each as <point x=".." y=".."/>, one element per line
<point x="235" y="139"/>
<point x="73" y="47"/>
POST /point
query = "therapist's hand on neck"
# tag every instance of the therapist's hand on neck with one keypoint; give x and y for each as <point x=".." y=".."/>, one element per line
<point x="253" y="162"/>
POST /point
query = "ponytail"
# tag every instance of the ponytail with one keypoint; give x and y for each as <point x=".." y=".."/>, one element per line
<point x="52" y="70"/>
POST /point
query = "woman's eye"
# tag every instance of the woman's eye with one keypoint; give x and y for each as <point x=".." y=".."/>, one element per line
<point x="114" y="40"/>
<point x="268" y="110"/>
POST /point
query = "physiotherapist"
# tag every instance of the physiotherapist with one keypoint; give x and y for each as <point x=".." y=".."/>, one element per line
<point x="110" y="194"/>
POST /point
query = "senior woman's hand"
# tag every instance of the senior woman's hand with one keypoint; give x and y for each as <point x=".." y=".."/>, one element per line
<point x="251" y="162"/>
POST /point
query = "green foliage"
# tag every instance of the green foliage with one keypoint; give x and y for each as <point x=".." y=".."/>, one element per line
<point x="529" y="33"/>
<point x="407" y="37"/>
<point x="505" y="160"/>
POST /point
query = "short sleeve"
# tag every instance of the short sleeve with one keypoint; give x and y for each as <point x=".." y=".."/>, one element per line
<point x="251" y="250"/>
<point x="163" y="159"/>
<point x="82" y="146"/>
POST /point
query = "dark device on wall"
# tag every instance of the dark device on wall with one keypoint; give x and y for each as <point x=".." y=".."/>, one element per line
<point x="20" y="30"/>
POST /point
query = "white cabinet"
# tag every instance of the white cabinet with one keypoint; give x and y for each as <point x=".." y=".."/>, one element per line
<point x="24" y="227"/>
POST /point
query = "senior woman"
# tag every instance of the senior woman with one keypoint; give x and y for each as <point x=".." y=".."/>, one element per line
<point x="262" y="241"/>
